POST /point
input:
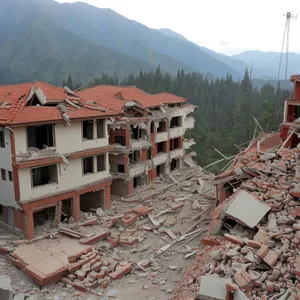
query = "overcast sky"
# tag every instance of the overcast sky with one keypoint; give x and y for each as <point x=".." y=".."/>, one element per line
<point x="227" y="26"/>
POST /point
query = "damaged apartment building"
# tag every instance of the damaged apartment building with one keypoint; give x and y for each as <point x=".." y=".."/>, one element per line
<point x="65" y="152"/>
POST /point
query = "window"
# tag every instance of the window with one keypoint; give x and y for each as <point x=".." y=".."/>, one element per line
<point x="162" y="127"/>
<point x="161" y="147"/>
<point x="2" y="139"/>
<point x="88" y="165"/>
<point x="3" y="174"/>
<point x="175" y="122"/>
<point x="40" y="137"/>
<point x="44" y="175"/>
<point x="10" y="176"/>
<point x="120" y="140"/>
<point x="121" y="169"/>
<point x="100" y="163"/>
<point x="152" y="127"/>
<point x="100" y="128"/>
<point x="88" y="130"/>
<point x="134" y="156"/>
<point x="175" y="144"/>
<point x="149" y="153"/>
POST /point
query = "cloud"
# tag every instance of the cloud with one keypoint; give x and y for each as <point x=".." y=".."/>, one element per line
<point x="223" y="43"/>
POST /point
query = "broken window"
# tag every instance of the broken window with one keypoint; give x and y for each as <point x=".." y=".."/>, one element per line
<point x="40" y="137"/>
<point x="120" y="140"/>
<point x="174" y="164"/>
<point x="160" y="170"/>
<point x="297" y="112"/>
<point x="175" y="122"/>
<point x="100" y="128"/>
<point x="137" y="132"/>
<point x="161" y="147"/>
<point x="44" y="175"/>
<point x="121" y="169"/>
<point x="149" y="153"/>
<point x="88" y="165"/>
<point x="152" y="127"/>
<point x="100" y="163"/>
<point x="137" y="181"/>
<point x="2" y="139"/>
<point x="162" y="127"/>
<point x="88" y="130"/>
<point x="132" y="157"/>
<point x="10" y="176"/>
<point x="3" y="174"/>
<point x="175" y="144"/>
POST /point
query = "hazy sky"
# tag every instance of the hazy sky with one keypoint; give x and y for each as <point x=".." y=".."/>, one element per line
<point x="227" y="26"/>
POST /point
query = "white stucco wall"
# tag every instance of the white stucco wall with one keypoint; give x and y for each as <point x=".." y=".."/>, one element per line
<point x="67" y="139"/>
<point x="176" y="132"/>
<point x="161" y="137"/>
<point x="7" y="196"/>
<point x="69" y="177"/>
<point x="159" y="159"/>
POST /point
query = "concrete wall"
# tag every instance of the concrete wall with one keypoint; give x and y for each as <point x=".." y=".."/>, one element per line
<point x="161" y="137"/>
<point x="119" y="187"/>
<point x="67" y="139"/>
<point x="176" y="132"/>
<point x="69" y="177"/>
<point x="159" y="159"/>
<point x="7" y="197"/>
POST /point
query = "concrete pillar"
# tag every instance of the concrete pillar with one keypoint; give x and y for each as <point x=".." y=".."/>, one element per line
<point x="130" y="187"/>
<point x="29" y="225"/>
<point x="58" y="213"/>
<point x="107" y="197"/>
<point x="75" y="208"/>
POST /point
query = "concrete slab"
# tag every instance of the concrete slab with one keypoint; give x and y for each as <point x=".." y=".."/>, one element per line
<point x="71" y="246"/>
<point x="212" y="287"/>
<point x="47" y="264"/>
<point x="30" y="253"/>
<point x="247" y="209"/>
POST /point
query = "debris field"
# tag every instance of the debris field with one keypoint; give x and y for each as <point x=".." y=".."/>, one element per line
<point x="252" y="244"/>
<point x="149" y="238"/>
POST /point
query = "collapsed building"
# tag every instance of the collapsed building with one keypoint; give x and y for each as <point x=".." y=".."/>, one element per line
<point x="251" y="248"/>
<point x="64" y="152"/>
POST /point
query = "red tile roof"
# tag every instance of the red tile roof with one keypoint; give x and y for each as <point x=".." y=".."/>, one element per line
<point x="111" y="98"/>
<point x="14" y="109"/>
<point x="114" y="96"/>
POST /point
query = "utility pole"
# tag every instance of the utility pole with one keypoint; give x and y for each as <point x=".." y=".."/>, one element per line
<point x="286" y="41"/>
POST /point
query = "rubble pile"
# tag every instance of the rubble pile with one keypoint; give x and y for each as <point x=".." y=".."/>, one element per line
<point x="92" y="272"/>
<point x="262" y="259"/>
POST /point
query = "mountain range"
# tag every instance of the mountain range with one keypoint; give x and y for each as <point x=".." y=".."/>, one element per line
<point x="46" y="40"/>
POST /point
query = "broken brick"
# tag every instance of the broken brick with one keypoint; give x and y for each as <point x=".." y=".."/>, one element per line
<point x="128" y="241"/>
<point x="271" y="258"/>
<point x="143" y="210"/>
<point x="94" y="239"/>
<point x="262" y="252"/>
<point x="129" y="219"/>
<point x="234" y="239"/>
<point x="90" y="222"/>
<point x="253" y="244"/>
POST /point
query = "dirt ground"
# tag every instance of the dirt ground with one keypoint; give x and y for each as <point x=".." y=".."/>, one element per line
<point x="158" y="281"/>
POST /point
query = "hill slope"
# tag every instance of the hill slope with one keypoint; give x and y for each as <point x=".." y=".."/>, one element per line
<point x="116" y="32"/>
<point x="266" y="64"/>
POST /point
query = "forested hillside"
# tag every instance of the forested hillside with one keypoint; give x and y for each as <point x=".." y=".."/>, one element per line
<point x="226" y="108"/>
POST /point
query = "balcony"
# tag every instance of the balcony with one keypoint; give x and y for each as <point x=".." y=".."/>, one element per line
<point x="161" y="137"/>
<point x="176" y="132"/>
<point x="176" y="153"/>
<point x="188" y="143"/>
<point x="159" y="159"/>
<point x="136" y="169"/>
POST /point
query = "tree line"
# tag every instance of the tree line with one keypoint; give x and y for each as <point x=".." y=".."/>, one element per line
<point x="224" y="117"/>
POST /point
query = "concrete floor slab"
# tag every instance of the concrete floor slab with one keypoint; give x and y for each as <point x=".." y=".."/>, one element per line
<point x="47" y="265"/>
<point x="71" y="246"/>
<point x="247" y="209"/>
<point x="61" y="256"/>
<point x="30" y="254"/>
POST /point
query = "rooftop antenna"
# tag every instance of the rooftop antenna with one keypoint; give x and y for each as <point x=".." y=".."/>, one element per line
<point x="286" y="41"/>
